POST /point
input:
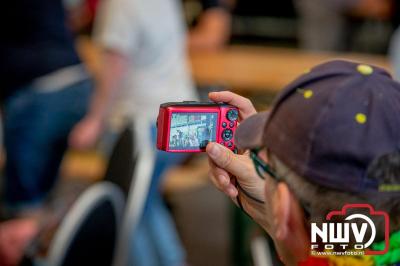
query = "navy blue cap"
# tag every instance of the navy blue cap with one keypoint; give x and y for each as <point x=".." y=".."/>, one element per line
<point x="330" y="123"/>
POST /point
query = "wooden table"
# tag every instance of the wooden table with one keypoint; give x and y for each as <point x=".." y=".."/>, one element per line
<point x="247" y="68"/>
<point x="255" y="69"/>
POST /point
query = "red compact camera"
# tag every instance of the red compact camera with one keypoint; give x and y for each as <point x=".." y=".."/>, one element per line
<point x="189" y="126"/>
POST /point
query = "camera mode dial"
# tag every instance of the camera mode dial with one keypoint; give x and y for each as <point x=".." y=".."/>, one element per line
<point x="232" y="115"/>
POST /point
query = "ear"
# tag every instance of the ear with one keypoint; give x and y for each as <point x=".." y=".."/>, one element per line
<point x="281" y="211"/>
<point x="290" y="233"/>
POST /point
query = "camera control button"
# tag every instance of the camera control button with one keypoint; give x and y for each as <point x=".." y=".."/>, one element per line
<point x="230" y="144"/>
<point x="224" y="124"/>
<point x="231" y="124"/>
<point x="227" y="134"/>
<point x="232" y="115"/>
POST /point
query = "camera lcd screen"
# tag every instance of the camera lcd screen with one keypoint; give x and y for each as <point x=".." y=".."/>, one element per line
<point x="191" y="131"/>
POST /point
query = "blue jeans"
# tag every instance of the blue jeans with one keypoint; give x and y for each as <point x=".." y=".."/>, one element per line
<point x="155" y="241"/>
<point x="36" y="128"/>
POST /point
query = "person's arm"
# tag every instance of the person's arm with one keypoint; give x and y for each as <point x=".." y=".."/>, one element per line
<point x="212" y="31"/>
<point x="373" y="9"/>
<point x="116" y="30"/>
<point x="113" y="68"/>
<point x="225" y="166"/>
<point x="15" y="236"/>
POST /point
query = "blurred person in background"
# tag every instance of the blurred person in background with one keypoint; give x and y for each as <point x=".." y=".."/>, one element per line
<point x="45" y="91"/>
<point x="211" y="28"/>
<point x="324" y="25"/>
<point x="305" y="158"/>
<point x="81" y="14"/>
<point x="143" y="65"/>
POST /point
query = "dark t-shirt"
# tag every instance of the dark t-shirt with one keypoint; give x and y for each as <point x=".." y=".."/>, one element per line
<point x="34" y="41"/>
<point x="211" y="3"/>
<point x="263" y="8"/>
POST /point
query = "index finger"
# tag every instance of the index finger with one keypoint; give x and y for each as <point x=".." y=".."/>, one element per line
<point x="244" y="105"/>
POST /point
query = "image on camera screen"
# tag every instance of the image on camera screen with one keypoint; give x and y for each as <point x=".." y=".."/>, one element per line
<point x="191" y="131"/>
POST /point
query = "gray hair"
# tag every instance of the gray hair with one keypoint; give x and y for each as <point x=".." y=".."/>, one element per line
<point x="321" y="200"/>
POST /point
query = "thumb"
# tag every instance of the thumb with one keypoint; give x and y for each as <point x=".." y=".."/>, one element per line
<point x="226" y="159"/>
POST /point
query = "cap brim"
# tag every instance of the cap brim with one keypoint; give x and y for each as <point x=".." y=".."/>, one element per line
<point x="249" y="134"/>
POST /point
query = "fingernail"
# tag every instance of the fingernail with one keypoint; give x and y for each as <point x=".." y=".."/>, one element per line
<point x="223" y="180"/>
<point x="214" y="150"/>
<point x="232" y="192"/>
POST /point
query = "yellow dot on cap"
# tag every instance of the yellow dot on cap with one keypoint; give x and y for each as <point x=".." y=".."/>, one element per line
<point x="308" y="94"/>
<point x="365" y="69"/>
<point x="307" y="70"/>
<point x="361" y="118"/>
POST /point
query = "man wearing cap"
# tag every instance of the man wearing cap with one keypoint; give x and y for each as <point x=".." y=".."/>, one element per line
<point x="331" y="138"/>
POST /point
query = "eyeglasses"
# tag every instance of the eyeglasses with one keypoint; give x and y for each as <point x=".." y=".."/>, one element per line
<point x="263" y="167"/>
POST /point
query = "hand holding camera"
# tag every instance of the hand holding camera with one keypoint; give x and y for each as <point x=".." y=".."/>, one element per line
<point x="190" y="126"/>
<point x="225" y="165"/>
